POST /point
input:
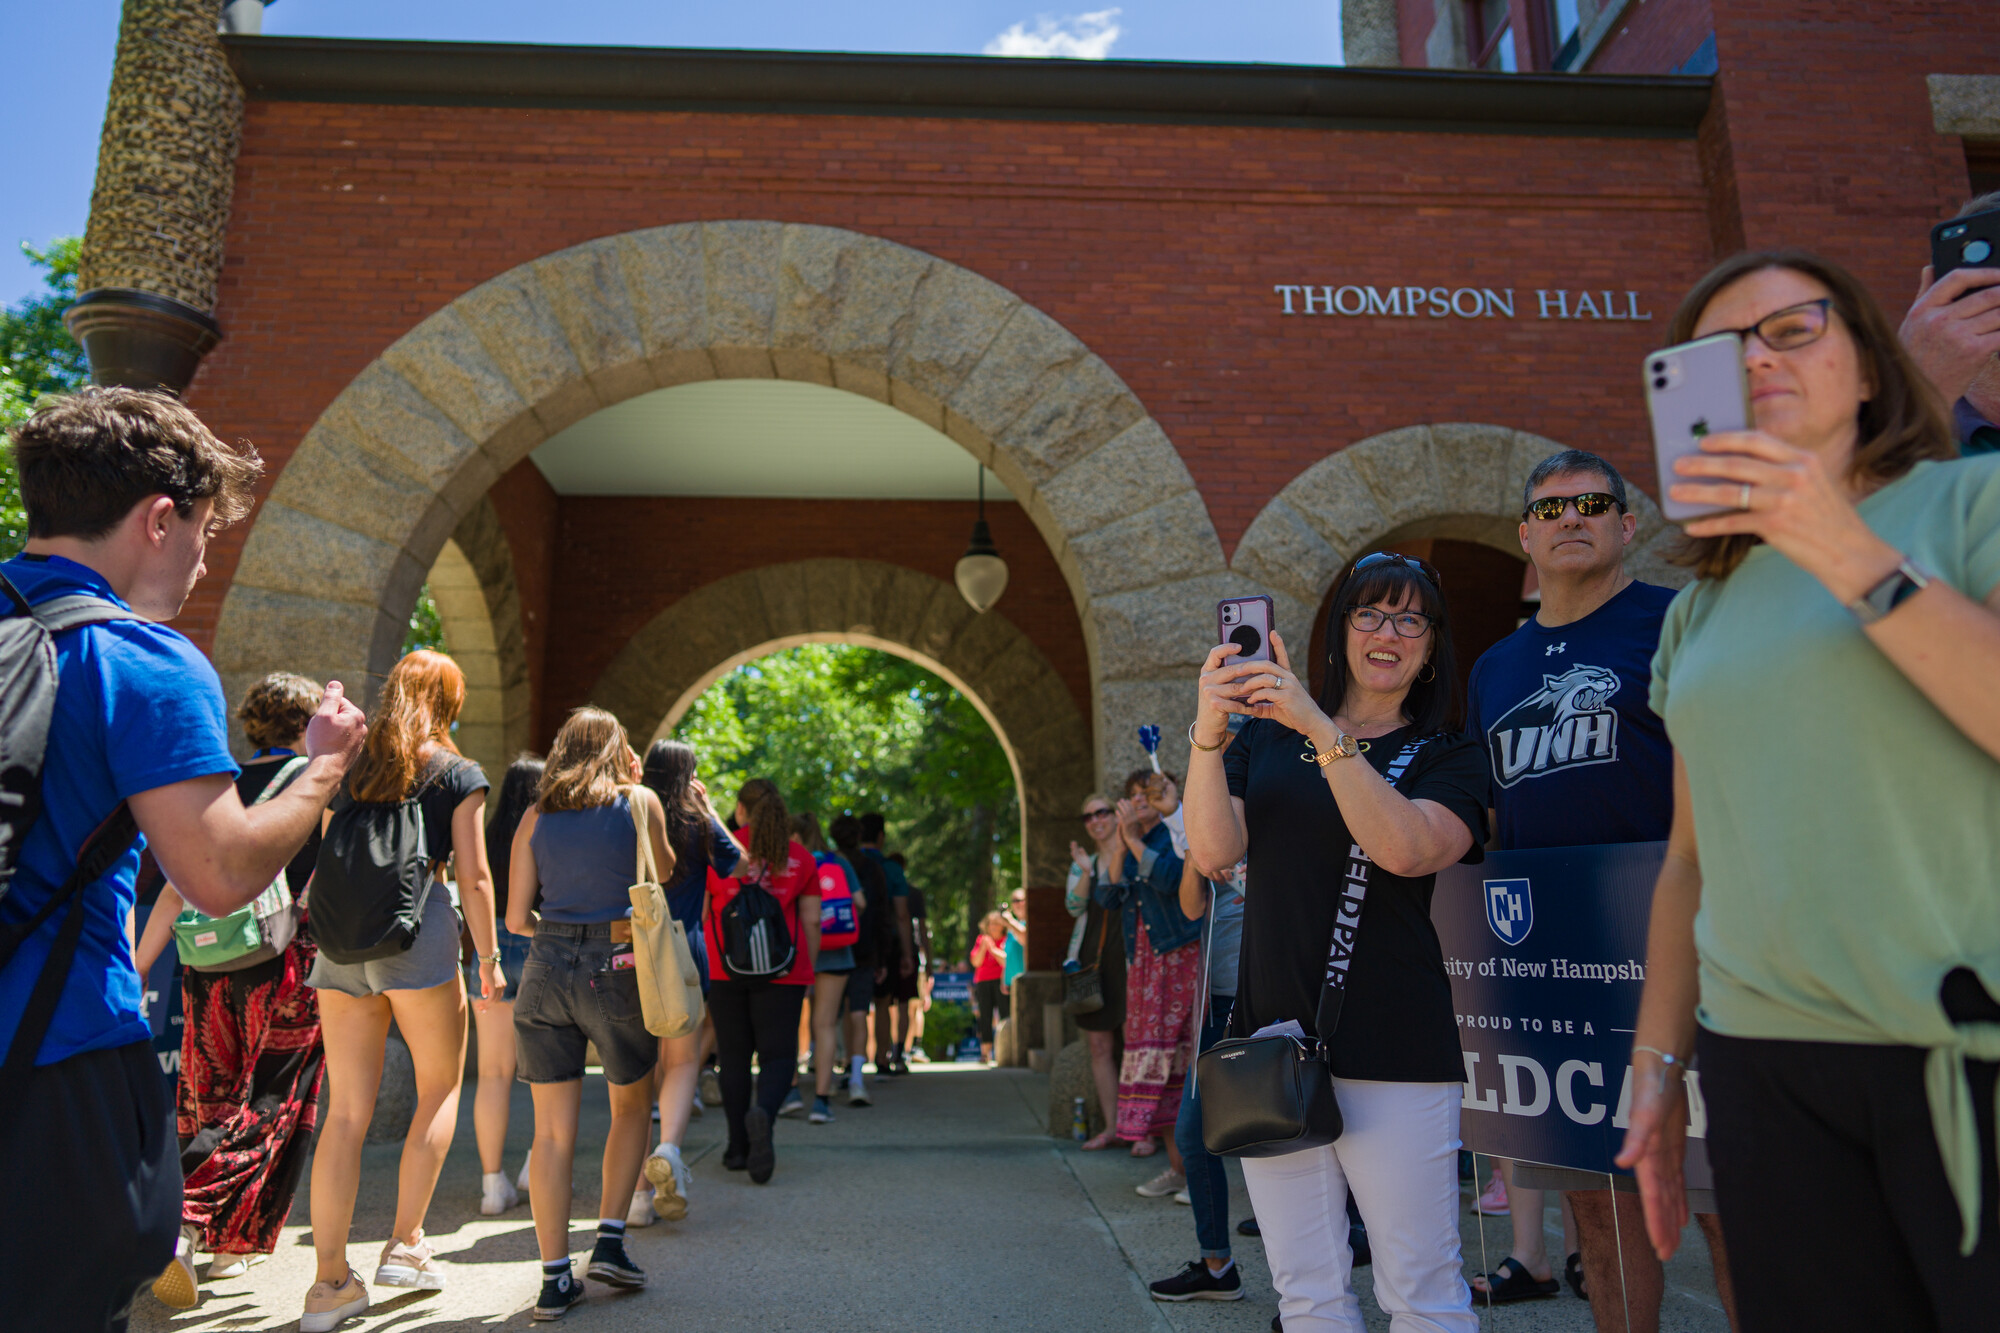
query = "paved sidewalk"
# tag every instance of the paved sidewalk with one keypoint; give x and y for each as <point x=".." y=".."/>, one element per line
<point x="943" y="1206"/>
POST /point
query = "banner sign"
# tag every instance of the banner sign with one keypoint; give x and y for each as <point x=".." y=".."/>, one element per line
<point x="160" y="998"/>
<point x="952" y="987"/>
<point x="1546" y="950"/>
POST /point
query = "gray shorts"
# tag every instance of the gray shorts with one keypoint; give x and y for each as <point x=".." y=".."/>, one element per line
<point x="1567" y="1179"/>
<point x="431" y="960"/>
<point x="572" y="994"/>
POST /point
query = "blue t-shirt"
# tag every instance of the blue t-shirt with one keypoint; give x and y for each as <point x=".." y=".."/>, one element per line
<point x="138" y="707"/>
<point x="1578" y="755"/>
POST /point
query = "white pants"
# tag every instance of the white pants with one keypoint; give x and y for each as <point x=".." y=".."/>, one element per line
<point x="1399" y="1154"/>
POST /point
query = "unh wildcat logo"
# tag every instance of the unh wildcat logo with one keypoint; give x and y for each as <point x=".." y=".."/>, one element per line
<point x="1565" y="724"/>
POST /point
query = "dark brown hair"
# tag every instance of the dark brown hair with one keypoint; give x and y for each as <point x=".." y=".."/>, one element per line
<point x="769" y="824"/>
<point x="586" y="764"/>
<point x="1902" y="423"/>
<point x="412" y="722"/>
<point x="1430" y="705"/>
<point x="85" y="459"/>
<point x="277" y="708"/>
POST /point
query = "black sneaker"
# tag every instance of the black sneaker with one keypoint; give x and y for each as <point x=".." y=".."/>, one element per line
<point x="1197" y="1283"/>
<point x="1248" y="1227"/>
<point x="736" y="1159"/>
<point x="611" y="1265"/>
<point x="761" y="1158"/>
<point x="558" y="1294"/>
<point x="1357" y="1241"/>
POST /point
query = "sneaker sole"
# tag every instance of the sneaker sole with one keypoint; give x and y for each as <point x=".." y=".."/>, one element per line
<point x="176" y="1287"/>
<point x="328" y="1320"/>
<point x="543" y="1315"/>
<point x="819" y="1118"/>
<point x="668" y="1201"/>
<point x="1235" y="1295"/>
<point x="763" y="1156"/>
<point x="611" y="1276"/>
<point x="862" y="1100"/>
<point x="791" y="1111"/>
<point x="412" y="1279"/>
<point x="1145" y="1193"/>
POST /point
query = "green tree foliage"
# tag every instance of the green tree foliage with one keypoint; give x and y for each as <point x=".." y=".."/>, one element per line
<point x="37" y="357"/>
<point x="425" y="630"/>
<point x="845" y="729"/>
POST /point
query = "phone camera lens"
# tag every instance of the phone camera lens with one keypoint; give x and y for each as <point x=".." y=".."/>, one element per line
<point x="1248" y="639"/>
<point x="1660" y="382"/>
<point x="1659" y="367"/>
<point x="1978" y="251"/>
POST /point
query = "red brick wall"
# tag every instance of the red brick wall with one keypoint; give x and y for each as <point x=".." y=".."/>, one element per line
<point x="531" y="516"/>
<point x="1654" y="36"/>
<point x="1157" y="245"/>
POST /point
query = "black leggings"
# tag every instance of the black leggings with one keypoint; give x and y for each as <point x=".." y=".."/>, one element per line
<point x="760" y="1016"/>
<point x="1832" y="1194"/>
<point x="986" y="1000"/>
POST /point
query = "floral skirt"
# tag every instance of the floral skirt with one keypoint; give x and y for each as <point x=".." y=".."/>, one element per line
<point x="1159" y="1033"/>
<point x="251" y="1062"/>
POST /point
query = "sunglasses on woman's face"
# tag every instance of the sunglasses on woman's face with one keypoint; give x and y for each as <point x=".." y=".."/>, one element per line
<point x="1589" y="505"/>
<point x="1089" y="815"/>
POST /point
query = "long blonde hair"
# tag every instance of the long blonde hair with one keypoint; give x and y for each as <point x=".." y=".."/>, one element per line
<point x="587" y="763"/>
<point x="770" y="825"/>
<point x="420" y="701"/>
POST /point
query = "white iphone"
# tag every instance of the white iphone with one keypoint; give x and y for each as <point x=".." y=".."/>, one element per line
<point x="1694" y="390"/>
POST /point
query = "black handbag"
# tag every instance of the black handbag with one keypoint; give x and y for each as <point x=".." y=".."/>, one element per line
<point x="1083" y="989"/>
<point x="1272" y="1095"/>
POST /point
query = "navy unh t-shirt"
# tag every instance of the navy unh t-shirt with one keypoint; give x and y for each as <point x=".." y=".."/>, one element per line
<point x="1578" y="757"/>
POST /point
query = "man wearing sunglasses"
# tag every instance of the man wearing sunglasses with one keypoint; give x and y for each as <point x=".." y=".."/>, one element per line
<point x="1578" y="758"/>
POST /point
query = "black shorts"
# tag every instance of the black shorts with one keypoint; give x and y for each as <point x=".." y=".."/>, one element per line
<point x="95" y="1187"/>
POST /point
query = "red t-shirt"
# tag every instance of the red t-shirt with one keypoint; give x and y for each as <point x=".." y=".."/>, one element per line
<point x="798" y="879"/>
<point x="989" y="960"/>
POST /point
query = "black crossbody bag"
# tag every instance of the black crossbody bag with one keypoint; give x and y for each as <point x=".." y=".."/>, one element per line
<point x="1268" y="1096"/>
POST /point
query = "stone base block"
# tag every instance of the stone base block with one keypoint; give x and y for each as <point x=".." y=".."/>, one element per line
<point x="1069" y="1078"/>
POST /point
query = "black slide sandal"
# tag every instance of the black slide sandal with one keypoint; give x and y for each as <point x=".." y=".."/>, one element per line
<point x="1511" y="1281"/>
<point x="1573" y="1274"/>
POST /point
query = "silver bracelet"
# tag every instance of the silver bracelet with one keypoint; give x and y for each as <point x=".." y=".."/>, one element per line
<point x="1666" y="1057"/>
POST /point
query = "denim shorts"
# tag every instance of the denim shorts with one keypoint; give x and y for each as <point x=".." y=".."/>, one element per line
<point x="572" y="994"/>
<point x="431" y="960"/>
<point x="513" y="957"/>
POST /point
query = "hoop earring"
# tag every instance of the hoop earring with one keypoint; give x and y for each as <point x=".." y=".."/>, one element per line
<point x="1422" y="679"/>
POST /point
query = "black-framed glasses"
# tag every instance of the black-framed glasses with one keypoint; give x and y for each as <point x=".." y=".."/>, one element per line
<point x="1423" y="567"/>
<point x="1789" y="329"/>
<point x="1588" y="505"/>
<point x="1407" y="624"/>
<point x="1089" y="815"/>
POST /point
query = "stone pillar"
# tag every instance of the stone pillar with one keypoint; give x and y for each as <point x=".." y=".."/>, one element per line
<point x="165" y="169"/>
<point x="1368" y="33"/>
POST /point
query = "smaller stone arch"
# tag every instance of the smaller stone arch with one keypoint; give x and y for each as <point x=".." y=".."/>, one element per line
<point x="479" y="608"/>
<point x="1458" y="480"/>
<point x="689" y="645"/>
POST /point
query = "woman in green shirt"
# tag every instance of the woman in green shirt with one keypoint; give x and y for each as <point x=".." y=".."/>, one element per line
<point x="1826" y="928"/>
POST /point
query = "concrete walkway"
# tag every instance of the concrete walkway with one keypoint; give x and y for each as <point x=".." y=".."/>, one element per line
<point x="943" y="1206"/>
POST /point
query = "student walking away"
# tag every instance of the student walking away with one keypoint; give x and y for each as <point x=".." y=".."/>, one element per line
<point x="869" y="948"/>
<point x="1162" y="970"/>
<point x="1827" y="901"/>
<point x="1953" y="334"/>
<point x="122" y="491"/>
<point x="1317" y="825"/>
<point x="389" y="950"/>
<point x="1583" y="661"/>
<point x="698" y="839"/>
<point x="1218" y="907"/>
<point x="896" y="975"/>
<point x="250" y="1050"/>
<point x="574" y="858"/>
<point x="494" y="1024"/>
<point x="839" y="927"/>
<point x="1097" y="944"/>
<point x="989" y="965"/>
<point x="919" y="1000"/>
<point x="763" y="930"/>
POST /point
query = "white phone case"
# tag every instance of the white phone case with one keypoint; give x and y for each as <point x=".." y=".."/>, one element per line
<point x="1694" y="390"/>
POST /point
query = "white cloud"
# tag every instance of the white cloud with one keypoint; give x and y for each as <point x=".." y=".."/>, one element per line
<point x="1072" y="37"/>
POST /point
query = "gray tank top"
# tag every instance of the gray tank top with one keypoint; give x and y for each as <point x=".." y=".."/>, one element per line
<point x="585" y="860"/>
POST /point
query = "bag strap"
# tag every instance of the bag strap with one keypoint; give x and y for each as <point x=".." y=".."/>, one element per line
<point x="644" y="870"/>
<point x="283" y="778"/>
<point x="1347" y="921"/>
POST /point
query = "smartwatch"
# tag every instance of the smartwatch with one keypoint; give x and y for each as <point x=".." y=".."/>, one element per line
<point x="1906" y="578"/>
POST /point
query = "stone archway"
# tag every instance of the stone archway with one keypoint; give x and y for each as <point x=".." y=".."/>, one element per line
<point x="1455" y="480"/>
<point x="403" y="454"/>
<point x="688" y="646"/>
<point x="479" y="608"/>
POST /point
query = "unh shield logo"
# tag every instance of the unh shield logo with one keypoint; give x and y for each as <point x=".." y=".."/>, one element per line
<point x="1510" y="909"/>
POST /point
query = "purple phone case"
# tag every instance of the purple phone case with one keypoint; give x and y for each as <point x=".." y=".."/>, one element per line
<point x="1223" y="632"/>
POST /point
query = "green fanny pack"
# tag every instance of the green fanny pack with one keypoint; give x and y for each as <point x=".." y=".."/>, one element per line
<point x="255" y="933"/>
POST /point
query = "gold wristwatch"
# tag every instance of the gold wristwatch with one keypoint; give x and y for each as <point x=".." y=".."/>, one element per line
<point x="1344" y="747"/>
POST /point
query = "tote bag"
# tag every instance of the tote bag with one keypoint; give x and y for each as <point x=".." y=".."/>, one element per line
<point x="669" y="989"/>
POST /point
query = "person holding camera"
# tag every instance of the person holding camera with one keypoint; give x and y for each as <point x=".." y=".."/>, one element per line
<point x="1386" y="796"/>
<point x="1825" y="931"/>
<point x="1953" y="333"/>
<point x="1092" y="945"/>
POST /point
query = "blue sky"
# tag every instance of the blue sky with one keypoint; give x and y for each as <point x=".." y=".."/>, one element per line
<point x="62" y="49"/>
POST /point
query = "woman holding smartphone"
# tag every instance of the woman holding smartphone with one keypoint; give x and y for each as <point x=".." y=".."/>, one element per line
<point x="1826" y="928"/>
<point x="1382" y="773"/>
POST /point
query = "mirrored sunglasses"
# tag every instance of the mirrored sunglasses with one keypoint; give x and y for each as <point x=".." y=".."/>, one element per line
<point x="1590" y="504"/>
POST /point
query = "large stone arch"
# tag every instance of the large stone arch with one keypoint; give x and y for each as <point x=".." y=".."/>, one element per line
<point x="1457" y="480"/>
<point x="688" y="646"/>
<point x="479" y="610"/>
<point x="341" y="546"/>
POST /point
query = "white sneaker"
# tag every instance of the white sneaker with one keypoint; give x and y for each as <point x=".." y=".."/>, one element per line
<point x="857" y="1091"/>
<point x="1167" y="1182"/>
<point x="640" y="1214"/>
<point x="521" y="1181"/>
<point x="1181" y="1196"/>
<point x="409" y="1266"/>
<point x="668" y="1175"/>
<point x="697" y="1108"/>
<point x="497" y="1194"/>
<point x="176" y="1286"/>
<point x="224" y="1266"/>
<point x="328" y="1306"/>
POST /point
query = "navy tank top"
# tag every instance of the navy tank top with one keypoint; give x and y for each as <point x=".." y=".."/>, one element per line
<point x="585" y="860"/>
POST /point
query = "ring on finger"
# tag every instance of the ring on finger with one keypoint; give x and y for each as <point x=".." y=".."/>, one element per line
<point x="1743" y="498"/>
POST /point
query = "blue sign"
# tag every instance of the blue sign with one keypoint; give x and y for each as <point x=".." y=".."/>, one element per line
<point x="1545" y="1016"/>
<point x="952" y="988"/>
<point x="160" y="996"/>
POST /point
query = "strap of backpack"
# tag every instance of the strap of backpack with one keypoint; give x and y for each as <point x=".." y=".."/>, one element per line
<point x="1347" y="921"/>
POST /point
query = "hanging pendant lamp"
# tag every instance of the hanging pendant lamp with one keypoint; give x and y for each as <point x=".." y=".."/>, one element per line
<point x="981" y="573"/>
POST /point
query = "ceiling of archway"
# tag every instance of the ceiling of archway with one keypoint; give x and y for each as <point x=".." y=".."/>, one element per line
<point x="753" y="437"/>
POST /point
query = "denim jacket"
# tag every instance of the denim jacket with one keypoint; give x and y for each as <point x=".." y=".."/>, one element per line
<point x="1152" y="884"/>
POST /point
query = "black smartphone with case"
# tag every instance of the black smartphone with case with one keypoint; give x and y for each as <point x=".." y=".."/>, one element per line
<point x="1972" y="242"/>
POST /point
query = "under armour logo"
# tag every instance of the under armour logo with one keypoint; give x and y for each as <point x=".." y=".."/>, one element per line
<point x="1555" y="648"/>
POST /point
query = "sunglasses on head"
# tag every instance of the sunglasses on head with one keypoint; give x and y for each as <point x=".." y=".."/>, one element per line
<point x="1588" y="505"/>
<point x="1423" y="567"/>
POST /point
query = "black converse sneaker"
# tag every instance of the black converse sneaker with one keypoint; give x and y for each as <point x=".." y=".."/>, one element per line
<point x="1196" y="1283"/>
<point x="611" y="1265"/>
<point x="558" y="1294"/>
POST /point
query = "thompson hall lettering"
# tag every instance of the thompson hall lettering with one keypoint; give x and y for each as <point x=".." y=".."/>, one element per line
<point x="1455" y="302"/>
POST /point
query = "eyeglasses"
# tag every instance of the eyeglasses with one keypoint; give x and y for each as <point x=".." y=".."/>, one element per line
<point x="1407" y="624"/>
<point x="1789" y="329"/>
<point x="1589" y="505"/>
<point x="1423" y="567"/>
<point x="1089" y="815"/>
